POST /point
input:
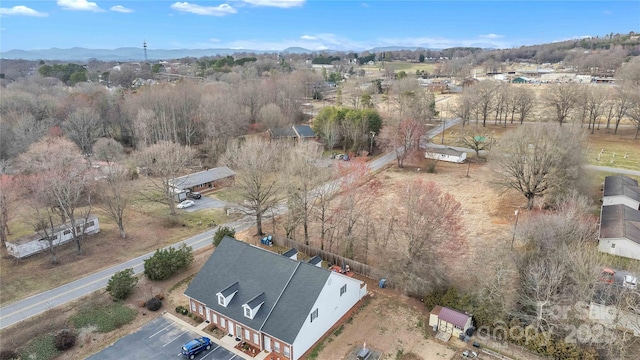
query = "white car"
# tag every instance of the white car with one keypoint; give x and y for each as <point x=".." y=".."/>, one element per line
<point x="630" y="282"/>
<point x="185" y="204"/>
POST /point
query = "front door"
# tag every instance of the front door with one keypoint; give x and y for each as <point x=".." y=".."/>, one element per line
<point x="231" y="328"/>
<point x="239" y="331"/>
<point x="267" y="344"/>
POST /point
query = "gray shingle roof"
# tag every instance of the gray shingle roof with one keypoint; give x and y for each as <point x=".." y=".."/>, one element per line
<point x="616" y="185"/>
<point x="256" y="300"/>
<point x="304" y="131"/>
<point x="296" y="302"/>
<point x="289" y="253"/>
<point x="290" y="288"/>
<point x="283" y="132"/>
<point x="230" y="289"/>
<point x="202" y="177"/>
<point x="315" y="260"/>
<point x="620" y="221"/>
<point x="446" y="151"/>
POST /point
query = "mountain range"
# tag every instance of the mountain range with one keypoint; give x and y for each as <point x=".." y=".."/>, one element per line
<point x="137" y="54"/>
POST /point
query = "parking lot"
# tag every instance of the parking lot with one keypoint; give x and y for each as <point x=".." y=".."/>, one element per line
<point x="160" y="339"/>
<point x="206" y="202"/>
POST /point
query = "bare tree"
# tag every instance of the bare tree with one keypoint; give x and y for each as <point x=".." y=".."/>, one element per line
<point x="7" y="204"/>
<point x="484" y="93"/>
<point x="622" y="102"/>
<point x="541" y="158"/>
<point x="562" y="99"/>
<point x="424" y="226"/>
<point x="114" y="194"/>
<point x="476" y="140"/>
<point x="84" y="127"/>
<point x="257" y="162"/>
<point x="402" y="136"/>
<point x="64" y="181"/>
<point x="162" y="162"/>
<point x="525" y="100"/>
<point x="271" y="117"/>
<point x="634" y="112"/>
<point x="595" y="100"/>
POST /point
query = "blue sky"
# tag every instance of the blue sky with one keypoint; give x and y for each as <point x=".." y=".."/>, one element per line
<point x="312" y="24"/>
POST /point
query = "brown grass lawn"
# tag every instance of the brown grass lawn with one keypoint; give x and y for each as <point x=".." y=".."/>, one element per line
<point x="148" y="228"/>
<point x="607" y="149"/>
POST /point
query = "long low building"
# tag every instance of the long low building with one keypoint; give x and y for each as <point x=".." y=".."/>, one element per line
<point x="61" y="234"/>
<point x="445" y="154"/>
<point x="204" y="180"/>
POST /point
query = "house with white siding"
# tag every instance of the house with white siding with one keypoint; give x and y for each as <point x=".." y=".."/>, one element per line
<point x="620" y="231"/>
<point x="620" y="189"/>
<point x="271" y="301"/>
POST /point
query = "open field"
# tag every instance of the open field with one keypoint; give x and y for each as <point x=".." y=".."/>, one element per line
<point x="408" y="67"/>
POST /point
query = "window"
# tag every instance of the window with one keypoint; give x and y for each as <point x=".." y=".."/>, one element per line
<point x="247" y="312"/>
<point x="222" y="323"/>
<point x="67" y="232"/>
<point x="247" y="334"/>
<point x="256" y="338"/>
<point x="221" y="300"/>
<point x="613" y="245"/>
<point x="276" y="346"/>
<point x="90" y="223"/>
<point x="343" y="289"/>
<point x="286" y="351"/>
<point x="193" y="307"/>
<point x="314" y="315"/>
<point x="200" y="309"/>
<point x="215" y="318"/>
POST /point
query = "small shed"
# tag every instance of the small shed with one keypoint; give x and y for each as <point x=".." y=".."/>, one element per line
<point x="620" y="231"/>
<point x="445" y="154"/>
<point x="450" y="321"/>
<point x="521" y="80"/>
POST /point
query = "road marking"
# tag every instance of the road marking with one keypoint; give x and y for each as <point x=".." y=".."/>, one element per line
<point x="174" y="339"/>
<point x="210" y="352"/>
<point x="163" y="329"/>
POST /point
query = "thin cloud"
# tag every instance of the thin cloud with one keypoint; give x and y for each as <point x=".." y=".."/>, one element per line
<point x="121" y="9"/>
<point x="284" y="4"/>
<point x="491" y="36"/>
<point x="79" y="5"/>
<point x="220" y="10"/>
<point x="308" y="37"/>
<point x="214" y="40"/>
<point x="21" y="10"/>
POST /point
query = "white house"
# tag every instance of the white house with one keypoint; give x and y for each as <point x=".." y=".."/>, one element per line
<point x="620" y="189"/>
<point x="445" y="154"/>
<point x="33" y="244"/>
<point x="270" y="301"/>
<point x="450" y="321"/>
<point x="620" y="231"/>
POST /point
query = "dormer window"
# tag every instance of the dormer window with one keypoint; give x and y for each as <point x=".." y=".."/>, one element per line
<point x="225" y="296"/>
<point x="252" y="306"/>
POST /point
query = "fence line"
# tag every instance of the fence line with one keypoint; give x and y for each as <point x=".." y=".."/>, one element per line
<point x="355" y="266"/>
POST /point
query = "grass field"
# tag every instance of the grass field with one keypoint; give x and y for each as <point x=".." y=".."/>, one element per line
<point x="618" y="151"/>
<point x="408" y="67"/>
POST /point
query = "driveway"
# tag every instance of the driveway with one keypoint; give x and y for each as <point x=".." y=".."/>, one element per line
<point x="206" y="202"/>
<point x="161" y="338"/>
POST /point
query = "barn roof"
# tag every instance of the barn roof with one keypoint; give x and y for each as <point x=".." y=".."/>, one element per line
<point x="454" y="317"/>
<point x="202" y="177"/>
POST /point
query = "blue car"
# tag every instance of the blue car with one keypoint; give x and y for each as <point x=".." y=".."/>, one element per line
<point x="196" y="346"/>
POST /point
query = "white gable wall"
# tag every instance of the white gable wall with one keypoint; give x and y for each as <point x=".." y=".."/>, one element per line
<point x="620" y="200"/>
<point x="620" y="247"/>
<point x="331" y="307"/>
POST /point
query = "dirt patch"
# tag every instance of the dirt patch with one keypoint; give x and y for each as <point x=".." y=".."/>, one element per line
<point x="389" y="323"/>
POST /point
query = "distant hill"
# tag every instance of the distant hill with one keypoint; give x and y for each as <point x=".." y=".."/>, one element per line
<point x="119" y="54"/>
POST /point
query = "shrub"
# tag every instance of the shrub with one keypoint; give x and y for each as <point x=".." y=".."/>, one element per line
<point x="154" y="304"/>
<point x="121" y="284"/>
<point x="167" y="262"/>
<point x="221" y="233"/>
<point x="65" y="340"/>
<point x="8" y="355"/>
<point x="179" y="309"/>
<point x="41" y="347"/>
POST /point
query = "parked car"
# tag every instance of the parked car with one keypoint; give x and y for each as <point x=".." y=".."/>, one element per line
<point x="194" y="195"/>
<point x="630" y="282"/>
<point x="185" y="204"/>
<point x="196" y="346"/>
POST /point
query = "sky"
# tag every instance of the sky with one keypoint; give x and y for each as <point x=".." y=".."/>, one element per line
<point x="311" y="24"/>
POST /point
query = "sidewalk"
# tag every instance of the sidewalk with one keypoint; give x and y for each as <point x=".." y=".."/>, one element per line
<point x="227" y="342"/>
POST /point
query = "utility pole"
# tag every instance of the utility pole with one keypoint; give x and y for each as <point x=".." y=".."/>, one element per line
<point x="144" y="45"/>
<point x="513" y="239"/>
<point x="373" y="134"/>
